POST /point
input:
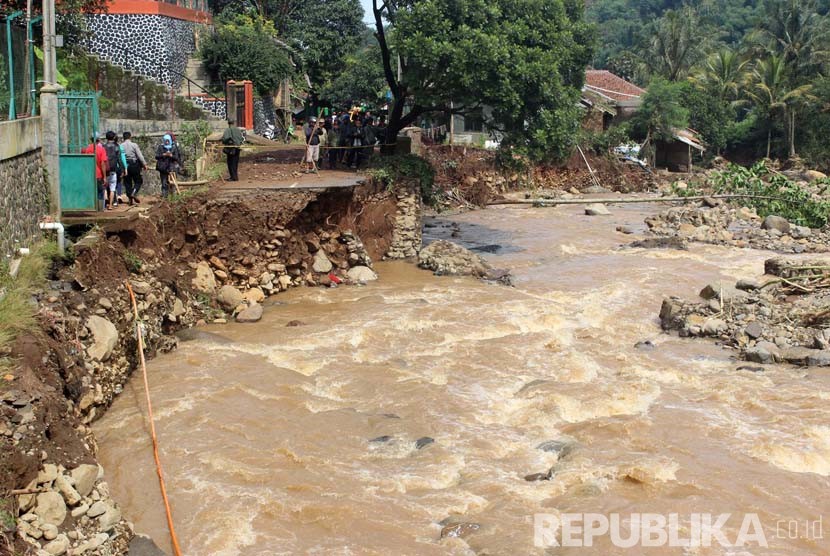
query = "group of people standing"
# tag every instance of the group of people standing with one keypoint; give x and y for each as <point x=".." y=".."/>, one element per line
<point x="347" y="138"/>
<point x="119" y="166"/>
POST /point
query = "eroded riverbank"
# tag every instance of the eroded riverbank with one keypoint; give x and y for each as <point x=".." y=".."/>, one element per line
<point x="275" y="436"/>
<point x="206" y="258"/>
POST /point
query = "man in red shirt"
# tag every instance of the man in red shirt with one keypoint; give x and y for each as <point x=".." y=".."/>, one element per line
<point x="101" y="165"/>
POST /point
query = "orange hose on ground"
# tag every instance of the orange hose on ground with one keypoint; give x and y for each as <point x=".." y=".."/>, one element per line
<point x="174" y="540"/>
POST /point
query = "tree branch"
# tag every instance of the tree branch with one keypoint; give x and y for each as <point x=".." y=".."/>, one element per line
<point x="380" y="35"/>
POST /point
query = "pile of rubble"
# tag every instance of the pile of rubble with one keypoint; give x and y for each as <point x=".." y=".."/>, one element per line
<point x="781" y="317"/>
<point x="712" y="221"/>
<point x="71" y="512"/>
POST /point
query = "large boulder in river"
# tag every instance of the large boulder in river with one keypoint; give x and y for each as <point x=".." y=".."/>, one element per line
<point x="445" y="258"/>
<point x="251" y="314"/>
<point x="361" y="274"/>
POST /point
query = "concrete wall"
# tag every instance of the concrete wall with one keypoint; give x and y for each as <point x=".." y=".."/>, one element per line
<point x="24" y="193"/>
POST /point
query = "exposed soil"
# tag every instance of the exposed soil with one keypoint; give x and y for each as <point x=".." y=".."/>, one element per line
<point x="180" y="260"/>
<point x="612" y="175"/>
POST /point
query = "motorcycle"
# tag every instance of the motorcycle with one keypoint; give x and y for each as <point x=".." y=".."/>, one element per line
<point x="270" y="131"/>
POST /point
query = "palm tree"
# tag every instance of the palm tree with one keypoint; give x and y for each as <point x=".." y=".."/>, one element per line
<point x="800" y="36"/>
<point x="675" y="44"/>
<point x="724" y="73"/>
<point x="770" y="91"/>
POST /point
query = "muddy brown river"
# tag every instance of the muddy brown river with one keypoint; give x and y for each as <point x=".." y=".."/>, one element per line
<point x="266" y="430"/>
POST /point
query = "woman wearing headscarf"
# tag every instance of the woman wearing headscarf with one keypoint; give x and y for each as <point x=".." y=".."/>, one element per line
<point x="168" y="161"/>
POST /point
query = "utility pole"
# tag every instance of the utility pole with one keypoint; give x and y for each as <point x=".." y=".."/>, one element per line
<point x="49" y="110"/>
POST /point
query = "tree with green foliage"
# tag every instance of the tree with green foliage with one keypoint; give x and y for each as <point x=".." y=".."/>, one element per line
<point x="524" y="59"/>
<point x="661" y="113"/>
<point x="325" y="33"/>
<point x="360" y="80"/>
<point x="772" y="94"/>
<point x="247" y="47"/>
<point x="795" y="32"/>
<point x="675" y="44"/>
<point x="713" y="95"/>
<point x="723" y="74"/>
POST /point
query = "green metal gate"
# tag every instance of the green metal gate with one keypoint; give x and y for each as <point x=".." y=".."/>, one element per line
<point x="78" y="123"/>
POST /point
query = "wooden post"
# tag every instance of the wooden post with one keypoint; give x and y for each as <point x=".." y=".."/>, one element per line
<point x="690" y="159"/>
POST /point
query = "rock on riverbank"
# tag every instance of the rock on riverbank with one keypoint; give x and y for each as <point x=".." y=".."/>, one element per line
<point x="779" y="317"/>
<point x="716" y="223"/>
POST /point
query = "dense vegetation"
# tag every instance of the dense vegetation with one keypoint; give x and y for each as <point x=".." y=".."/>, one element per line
<point x="749" y="75"/>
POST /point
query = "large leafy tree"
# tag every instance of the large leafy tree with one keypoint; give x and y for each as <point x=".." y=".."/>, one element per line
<point x="723" y="74"/>
<point x="247" y="47"/>
<point x="662" y="112"/>
<point x="799" y="37"/>
<point x="361" y="81"/>
<point x="322" y="34"/>
<point x="325" y="32"/>
<point x="523" y="59"/>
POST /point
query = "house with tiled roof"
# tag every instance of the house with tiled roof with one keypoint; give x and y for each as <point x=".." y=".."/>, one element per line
<point x="610" y="95"/>
<point x="609" y="99"/>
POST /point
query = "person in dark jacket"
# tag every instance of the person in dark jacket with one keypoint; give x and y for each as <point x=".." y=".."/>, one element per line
<point x="168" y="161"/>
<point x="135" y="165"/>
<point x="232" y="139"/>
<point x="332" y="141"/>
<point x="357" y="140"/>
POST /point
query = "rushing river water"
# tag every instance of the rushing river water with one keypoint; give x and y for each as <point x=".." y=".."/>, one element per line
<point x="265" y="429"/>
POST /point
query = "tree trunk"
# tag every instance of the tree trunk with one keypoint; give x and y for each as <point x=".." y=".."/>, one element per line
<point x="792" y="133"/>
<point x="394" y="127"/>
<point x="769" y="139"/>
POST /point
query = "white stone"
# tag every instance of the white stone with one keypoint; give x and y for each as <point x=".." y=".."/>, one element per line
<point x="597" y="209"/>
<point x="50" y="532"/>
<point x="229" y="297"/>
<point x="48" y="474"/>
<point x="204" y="280"/>
<point x="98" y="508"/>
<point x="109" y="519"/>
<point x="105" y="337"/>
<point x="362" y="274"/>
<point x="250" y="314"/>
<point x="58" y="546"/>
<point x="80" y="510"/>
<point x="321" y="264"/>
<point x="85" y="476"/>
<point x="67" y="490"/>
<point x="254" y="295"/>
<point x="50" y="508"/>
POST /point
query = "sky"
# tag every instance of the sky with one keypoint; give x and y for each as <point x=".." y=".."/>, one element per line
<point x="367" y="11"/>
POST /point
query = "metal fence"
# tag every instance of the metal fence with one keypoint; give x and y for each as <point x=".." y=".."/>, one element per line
<point x="20" y="66"/>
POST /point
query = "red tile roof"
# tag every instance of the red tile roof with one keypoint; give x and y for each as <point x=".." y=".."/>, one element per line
<point x="612" y="86"/>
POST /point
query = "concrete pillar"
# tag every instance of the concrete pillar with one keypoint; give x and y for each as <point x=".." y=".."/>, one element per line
<point x="51" y="145"/>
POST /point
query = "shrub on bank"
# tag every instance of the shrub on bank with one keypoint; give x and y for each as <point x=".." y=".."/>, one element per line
<point x="398" y="169"/>
<point x="774" y="193"/>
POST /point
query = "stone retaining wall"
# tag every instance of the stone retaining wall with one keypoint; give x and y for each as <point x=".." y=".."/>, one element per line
<point x="24" y="193"/>
<point x="153" y="46"/>
<point x="406" y="235"/>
